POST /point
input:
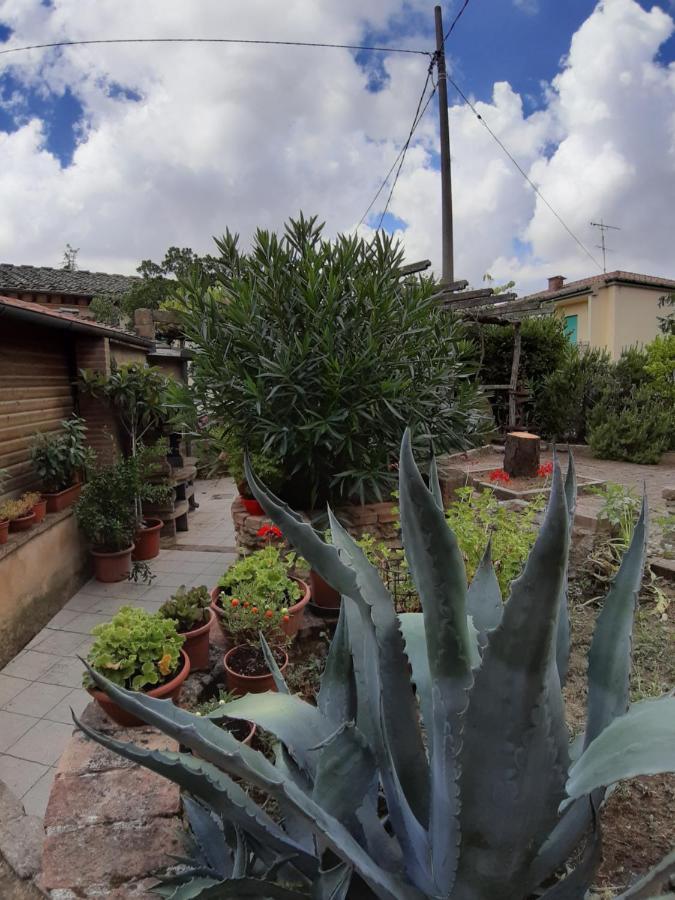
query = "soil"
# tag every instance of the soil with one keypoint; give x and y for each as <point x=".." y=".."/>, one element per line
<point x="637" y="820"/>
<point x="521" y="483"/>
<point x="250" y="661"/>
<point x="239" y="730"/>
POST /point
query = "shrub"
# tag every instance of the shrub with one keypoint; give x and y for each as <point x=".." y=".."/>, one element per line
<point x="135" y="650"/>
<point x="314" y="352"/>
<point x="462" y="787"/>
<point x="187" y="607"/>
<point x="639" y="430"/>
<point x="105" y="309"/>
<point x="58" y="457"/>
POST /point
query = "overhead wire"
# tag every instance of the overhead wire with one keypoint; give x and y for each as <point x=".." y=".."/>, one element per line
<point x="456" y="20"/>
<point x="196" y="40"/>
<point x="527" y="178"/>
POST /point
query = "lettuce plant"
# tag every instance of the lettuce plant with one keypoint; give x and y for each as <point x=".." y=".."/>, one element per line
<point x="467" y="787"/>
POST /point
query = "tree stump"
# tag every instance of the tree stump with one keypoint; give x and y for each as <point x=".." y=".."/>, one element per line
<point x="521" y="454"/>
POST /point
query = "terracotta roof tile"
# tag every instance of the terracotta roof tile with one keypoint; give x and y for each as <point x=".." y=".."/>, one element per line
<point x="62" y="281"/>
<point x="606" y="278"/>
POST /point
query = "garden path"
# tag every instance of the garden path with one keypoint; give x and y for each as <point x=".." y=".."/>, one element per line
<point x="41" y="685"/>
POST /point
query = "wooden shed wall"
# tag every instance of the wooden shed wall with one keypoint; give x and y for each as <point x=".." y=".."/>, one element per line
<point x="36" y="374"/>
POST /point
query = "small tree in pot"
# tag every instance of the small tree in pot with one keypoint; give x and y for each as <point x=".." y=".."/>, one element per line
<point x="60" y="459"/>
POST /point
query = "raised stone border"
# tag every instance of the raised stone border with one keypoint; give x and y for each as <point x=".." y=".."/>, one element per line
<point x="20" y="848"/>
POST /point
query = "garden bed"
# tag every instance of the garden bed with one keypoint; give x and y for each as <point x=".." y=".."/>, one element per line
<point x="522" y="488"/>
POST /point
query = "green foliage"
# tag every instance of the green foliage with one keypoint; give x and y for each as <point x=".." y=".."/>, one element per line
<point x="189" y="608"/>
<point x="620" y="507"/>
<point x="476" y="516"/>
<point x="263" y="579"/>
<point x="15" y="509"/>
<point x="667" y="322"/>
<point x="635" y="427"/>
<point x="105" y="309"/>
<point x="58" y="456"/>
<point x="230" y="446"/>
<point x="461" y="788"/>
<point x="314" y="353"/>
<point x="135" y="650"/>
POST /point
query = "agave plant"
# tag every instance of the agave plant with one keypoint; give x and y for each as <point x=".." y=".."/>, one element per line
<point x="437" y="762"/>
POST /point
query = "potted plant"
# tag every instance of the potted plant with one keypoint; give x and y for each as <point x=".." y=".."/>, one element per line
<point x="212" y="709"/>
<point x="263" y="581"/>
<point x="19" y="514"/>
<point x="105" y="513"/>
<point x="191" y="611"/>
<point x="38" y="505"/>
<point x="140" y="397"/>
<point x="140" y="652"/>
<point x="4" y="521"/>
<point x="59" y="459"/>
<point x="269" y="471"/>
<point x="246" y="668"/>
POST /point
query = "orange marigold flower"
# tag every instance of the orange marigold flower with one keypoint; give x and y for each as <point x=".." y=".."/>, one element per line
<point x="164" y="665"/>
<point x="268" y="614"/>
<point x="254" y="609"/>
<point x="234" y="601"/>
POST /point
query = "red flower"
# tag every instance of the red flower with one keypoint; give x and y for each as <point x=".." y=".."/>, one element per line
<point x="545" y="470"/>
<point x="499" y="475"/>
<point x="271" y="530"/>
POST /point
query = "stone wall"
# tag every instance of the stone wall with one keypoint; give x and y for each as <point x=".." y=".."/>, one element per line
<point x="377" y="519"/>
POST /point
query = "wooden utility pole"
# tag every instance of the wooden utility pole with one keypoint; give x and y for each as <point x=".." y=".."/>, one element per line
<point x="446" y="178"/>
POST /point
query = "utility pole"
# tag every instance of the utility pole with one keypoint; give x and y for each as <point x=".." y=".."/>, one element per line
<point x="602" y="245"/>
<point x="448" y="275"/>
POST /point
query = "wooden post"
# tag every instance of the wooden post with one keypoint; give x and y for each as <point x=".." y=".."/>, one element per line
<point x="521" y="454"/>
<point x="515" y="366"/>
<point x="446" y="177"/>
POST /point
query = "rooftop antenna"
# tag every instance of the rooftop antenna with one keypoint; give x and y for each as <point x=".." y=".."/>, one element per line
<point x="602" y="245"/>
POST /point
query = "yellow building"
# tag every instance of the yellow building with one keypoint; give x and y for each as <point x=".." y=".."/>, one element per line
<point x="611" y="311"/>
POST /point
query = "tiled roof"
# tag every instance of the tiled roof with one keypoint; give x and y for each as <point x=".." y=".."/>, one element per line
<point x="60" y="319"/>
<point x="62" y="281"/>
<point x="584" y="284"/>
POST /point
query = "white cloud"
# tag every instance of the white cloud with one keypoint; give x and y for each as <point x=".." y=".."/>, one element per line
<point x="245" y="136"/>
<point x="531" y="7"/>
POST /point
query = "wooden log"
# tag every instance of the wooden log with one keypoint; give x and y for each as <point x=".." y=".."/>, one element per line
<point x="412" y="268"/>
<point x="521" y="454"/>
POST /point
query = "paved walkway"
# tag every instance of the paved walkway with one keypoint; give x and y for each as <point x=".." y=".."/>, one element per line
<point x="39" y="687"/>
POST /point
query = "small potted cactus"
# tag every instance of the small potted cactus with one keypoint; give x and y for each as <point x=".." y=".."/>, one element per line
<point x="191" y="611"/>
<point x="141" y="652"/>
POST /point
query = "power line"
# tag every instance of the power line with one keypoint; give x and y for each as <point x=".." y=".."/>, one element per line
<point x="419" y="113"/>
<point x="523" y="172"/>
<point x="170" y="40"/>
<point x="456" y="20"/>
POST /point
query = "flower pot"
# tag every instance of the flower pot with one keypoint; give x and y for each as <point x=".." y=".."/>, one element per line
<point x="168" y="691"/>
<point x="242" y="684"/>
<point x="62" y="499"/>
<point x="109" y="567"/>
<point x="4" y="531"/>
<point x="197" y="644"/>
<point x="323" y="594"/>
<point x="40" y="510"/>
<point x="296" y="612"/>
<point x="23" y="523"/>
<point x="252" y="507"/>
<point x="146" y="540"/>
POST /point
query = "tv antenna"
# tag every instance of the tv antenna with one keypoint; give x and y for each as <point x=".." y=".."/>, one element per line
<point x="603" y="244"/>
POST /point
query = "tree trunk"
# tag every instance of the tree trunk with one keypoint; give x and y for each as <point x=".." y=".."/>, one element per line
<point x="521" y="454"/>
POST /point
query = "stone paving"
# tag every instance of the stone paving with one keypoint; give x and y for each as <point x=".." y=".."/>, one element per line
<point x="39" y="687"/>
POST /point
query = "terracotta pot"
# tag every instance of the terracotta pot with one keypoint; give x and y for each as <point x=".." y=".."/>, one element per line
<point x="4" y="531"/>
<point x="251" y="731"/>
<point x="146" y="540"/>
<point x="323" y="594"/>
<point x="109" y="567"/>
<point x="252" y="507"/>
<point x="23" y="523"/>
<point x="197" y="644"/>
<point x="62" y="499"/>
<point x="168" y="691"/>
<point x="296" y="612"/>
<point x="249" y="684"/>
<point x="40" y="510"/>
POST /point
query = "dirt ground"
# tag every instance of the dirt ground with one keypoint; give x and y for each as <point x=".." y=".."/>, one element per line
<point x="638" y="820"/>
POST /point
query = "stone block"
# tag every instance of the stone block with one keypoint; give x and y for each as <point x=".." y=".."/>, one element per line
<point x="110" y="854"/>
<point x="20" y="835"/>
<point x="83" y="756"/>
<point x="668" y="493"/>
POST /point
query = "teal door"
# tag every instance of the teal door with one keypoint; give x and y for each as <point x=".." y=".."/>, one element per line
<point x="571" y="328"/>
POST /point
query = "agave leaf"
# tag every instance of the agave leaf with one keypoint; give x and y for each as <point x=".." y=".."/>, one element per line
<point x="279" y="681"/>
<point x="654" y="882"/>
<point x="208" y="836"/>
<point x="609" y="659"/>
<point x="239" y="889"/>
<point x="484" y="597"/>
<point x="641" y="742"/>
<point x="337" y="694"/>
<point x="215" y="745"/>
<point x="434" y="483"/>
<point x="295" y="826"/>
<point x="188" y="890"/>
<point x="344" y="759"/>
<point x="575" y="885"/>
<point x="558" y="846"/>
<point x="514" y="754"/>
<point x="563" y="630"/>
<point x="332" y="884"/>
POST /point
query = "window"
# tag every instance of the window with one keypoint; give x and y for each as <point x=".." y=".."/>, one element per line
<point x="571" y="328"/>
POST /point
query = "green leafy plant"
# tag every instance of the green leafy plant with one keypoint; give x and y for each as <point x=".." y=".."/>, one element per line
<point x="263" y="579"/>
<point x="314" y="352"/>
<point x="636" y="427"/>
<point x="105" y="308"/>
<point x="466" y="787"/>
<point x="620" y="508"/>
<point x="189" y="608"/>
<point x="477" y="517"/>
<point x="16" y="509"/>
<point x="135" y="650"/>
<point x="58" y="457"/>
<point x="233" y="451"/>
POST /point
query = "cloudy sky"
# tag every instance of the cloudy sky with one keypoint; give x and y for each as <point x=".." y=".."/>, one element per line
<point x="125" y="150"/>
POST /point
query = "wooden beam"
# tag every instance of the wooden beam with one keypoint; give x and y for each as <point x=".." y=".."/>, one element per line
<point x="451" y="288"/>
<point x="412" y="268"/>
<point x="473" y="299"/>
<point x="515" y="366"/>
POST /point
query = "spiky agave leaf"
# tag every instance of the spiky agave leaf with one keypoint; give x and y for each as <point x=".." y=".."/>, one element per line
<point x="563" y="628"/>
<point x="337" y="694"/>
<point x="514" y="754"/>
<point x="484" y="597"/>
